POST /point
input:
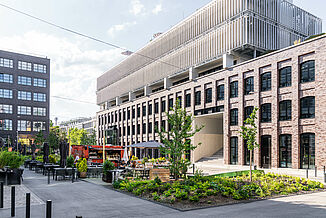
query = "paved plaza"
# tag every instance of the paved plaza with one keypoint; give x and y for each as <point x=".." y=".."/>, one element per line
<point x="88" y="200"/>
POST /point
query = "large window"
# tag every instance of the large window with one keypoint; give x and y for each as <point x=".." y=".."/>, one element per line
<point x="234" y="89"/>
<point x="285" y="77"/>
<point x="208" y="95"/>
<point x="23" y="80"/>
<point x="5" y="109"/>
<point x="163" y="106"/>
<point x="188" y="100"/>
<point x="22" y="95"/>
<point x="307" y="72"/>
<point x="307" y="151"/>
<point x="39" y="111"/>
<point x="6" y="125"/>
<point x="24" y="110"/>
<point x="170" y="103"/>
<point x="249" y="85"/>
<point x="198" y="98"/>
<point x="247" y="154"/>
<point x="307" y="107"/>
<point x="144" y="110"/>
<point x="220" y="92"/>
<point x="6" y="78"/>
<point x="4" y="62"/>
<point x="39" y="97"/>
<point x="266" y="113"/>
<point x="247" y="111"/>
<point x="40" y="68"/>
<point x="24" y="125"/>
<point x="38" y="126"/>
<point x="5" y="93"/>
<point x="150" y="127"/>
<point x="150" y="109"/>
<point x="39" y="82"/>
<point x="266" y="81"/>
<point x="285" y="151"/>
<point x="22" y="65"/>
<point x="138" y="111"/>
<point x="234" y="150"/>
<point x="234" y="117"/>
<point x="285" y="110"/>
<point x="156" y="107"/>
<point x="144" y="128"/>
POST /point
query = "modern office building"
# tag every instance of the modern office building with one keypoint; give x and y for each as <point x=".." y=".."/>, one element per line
<point x="87" y="123"/>
<point x="24" y="97"/>
<point x="223" y="60"/>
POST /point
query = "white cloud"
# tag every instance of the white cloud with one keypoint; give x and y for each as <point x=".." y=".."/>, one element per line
<point x="136" y="7"/>
<point x="73" y="70"/>
<point x="157" y="9"/>
<point x="120" y="27"/>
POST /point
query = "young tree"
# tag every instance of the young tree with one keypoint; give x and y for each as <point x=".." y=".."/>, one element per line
<point x="175" y="140"/>
<point x="249" y="133"/>
<point x="39" y="139"/>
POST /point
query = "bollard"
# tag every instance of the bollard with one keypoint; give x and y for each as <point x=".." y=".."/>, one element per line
<point x="325" y="177"/>
<point x="315" y="171"/>
<point x="48" y="209"/>
<point x="79" y="217"/>
<point x="324" y="169"/>
<point x="28" y="205"/>
<point x="193" y="169"/>
<point x="48" y="176"/>
<point x="1" y="195"/>
<point x="307" y="173"/>
<point x="12" y="201"/>
<point x="73" y="175"/>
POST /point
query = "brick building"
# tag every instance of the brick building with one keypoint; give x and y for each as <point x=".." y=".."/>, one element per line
<point x="221" y="83"/>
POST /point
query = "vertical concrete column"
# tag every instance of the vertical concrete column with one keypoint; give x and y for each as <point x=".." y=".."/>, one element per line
<point x="227" y="60"/>
<point x="147" y="90"/>
<point x="193" y="73"/>
<point x="167" y="83"/>
<point x="295" y="113"/>
<point x="131" y="96"/>
<point x="226" y="121"/>
<point x="275" y="112"/>
<point x="117" y="101"/>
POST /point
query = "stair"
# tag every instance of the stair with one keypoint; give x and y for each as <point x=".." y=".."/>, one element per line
<point x="214" y="160"/>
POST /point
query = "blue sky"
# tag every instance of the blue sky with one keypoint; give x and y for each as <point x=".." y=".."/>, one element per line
<point x="77" y="62"/>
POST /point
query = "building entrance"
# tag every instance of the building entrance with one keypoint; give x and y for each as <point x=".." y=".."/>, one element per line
<point x="266" y="151"/>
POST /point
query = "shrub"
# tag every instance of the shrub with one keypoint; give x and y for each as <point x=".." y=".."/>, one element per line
<point x="107" y="166"/>
<point x="70" y="161"/>
<point x="52" y="159"/>
<point x="11" y="159"/>
<point x="82" y="165"/>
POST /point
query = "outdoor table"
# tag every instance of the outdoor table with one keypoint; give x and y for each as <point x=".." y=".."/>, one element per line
<point x="26" y="163"/>
<point x="49" y="167"/>
<point x="38" y="167"/>
<point x="116" y="173"/>
<point x="32" y="165"/>
<point x="58" y="172"/>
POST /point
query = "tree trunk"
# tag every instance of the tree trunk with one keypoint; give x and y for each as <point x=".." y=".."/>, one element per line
<point x="250" y="173"/>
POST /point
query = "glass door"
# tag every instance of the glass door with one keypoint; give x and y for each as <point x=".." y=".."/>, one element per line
<point x="285" y="151"/>
<point x="307" y="151"/>
<point x="266" y="151"/>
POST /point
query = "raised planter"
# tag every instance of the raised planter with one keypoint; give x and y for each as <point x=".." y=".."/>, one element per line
<point x="108" y="177"/>
<point x="11" y="176"/>
<point x="82" y="174"/>
<point x="161" y="173"/>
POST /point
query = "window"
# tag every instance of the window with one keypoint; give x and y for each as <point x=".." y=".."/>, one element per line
<point x="266" y="113"/>
<point x="285" y="151"/>
<point x="22" y="95"/>
<point x="208" y="95"/>
<point x="144" y="128"/>
<point x="179" y="100"/>
<point x="307" y="72"/>
<point x="198" y="98"/>
<point x="22" y="65"/>
<point x="5" y="109"/>
<point x="38" y="126"/>
<point x="24" y="110"/>
<point x="266" y="81"/>
<point x="155" y="126"/>
<point x="6" y="78"/>
<point x="144" y="110"/>
<point x="307" y="151"/>
<point x="307" y="107"/>
<point x="170" y="103"/>
<point x="133" y="130"/>
<point x="4" y="62"/>
<point x="234" y="150"/>
<point x="138" y="111"/>
<point x="39" y="111"/>
<point x="234" y="117"/>
<point x="220" y="92"/>
<point x="5" y="93"/>
<point x="39" y="97"/>
<point x="24" y="125"/>
<point x="150" y="109"/>
<point x="133" y="113"/>
<point x="249" y="85"/>
<point x="156" y="107"/>
<point x="23" y="80"/>
<point x="39" y="82"/>
<point x="150" y="126"/>
<point x="128" y="114"/>
<point x="39" y="68"/>
<point x="234" y="89"/>
<point x="285" y="77"/>
<point x="163" y="125"/>
<point x="6" y="125"/>
<point x="138" y="129"/>
<point x="188" y="100"/>
<point x="247" y="111"/>
<point x="285" y="110"/>
<point x="163" y="106"/>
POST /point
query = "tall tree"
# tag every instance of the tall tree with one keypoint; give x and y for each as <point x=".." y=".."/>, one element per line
<point x="176" y="141"/>
<point x="249" y="133"/>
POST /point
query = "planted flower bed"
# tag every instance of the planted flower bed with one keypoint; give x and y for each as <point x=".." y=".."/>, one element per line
<point x="202" y="191"/>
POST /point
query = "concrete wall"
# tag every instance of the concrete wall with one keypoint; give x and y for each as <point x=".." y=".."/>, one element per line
<point x="210" y="137"/>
